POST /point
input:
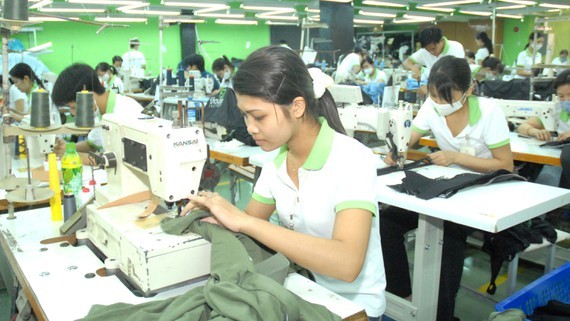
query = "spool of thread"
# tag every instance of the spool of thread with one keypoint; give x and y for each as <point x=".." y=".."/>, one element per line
<point x="169" y="80"/>
<point x="69" y="206"/>
<point x="15" y="10"/>
<point x="55" y="201"/>
<point x="84" y="116"/>
<point x="181" y="79"/>
<point x="40" y="114"/>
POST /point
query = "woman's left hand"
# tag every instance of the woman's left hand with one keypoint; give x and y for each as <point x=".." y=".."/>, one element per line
<point x="443" y="158"/>
<point x="224" y="213"/>
<point x="564" y="135"/>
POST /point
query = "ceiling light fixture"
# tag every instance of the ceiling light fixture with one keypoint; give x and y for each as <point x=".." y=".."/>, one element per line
<point x="119" y="19"/>
<point x="376" y="14"/>
<point x="220" y="15"/>
<point x="511" y="16"/>
<point x="50" y="19"/>
<point x="341" y="1"/>
<point x="108" y="2"/>
<point x="183" y="20"/>
<point x="404" y="21"/>
<point x="450" y="3"/>
<point x="436" y="9"/>
<point x="515" y="6"/>
<point x="153" y="12"/>
<point x="313" y="10"/>
<point x="525" y="2"/>
<point x="369" y="22"/>
<point x="193" y="4"/>
<point x="476" y="13"/>
<point x="383" y="3"/>
<point x="280" y="23"/>
<point x="235" y="22"/>
<point x="264" y="16"/>
<point x="264" y="8"/>
<point x="41" y="4"/>
<point x="64" y="10"/>
<point x="554" y="6"/>
<point x="212" y="9"/>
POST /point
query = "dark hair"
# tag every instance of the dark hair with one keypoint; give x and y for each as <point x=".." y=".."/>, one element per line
<point x="278" y="75"/>
<point x="116" y="58"/>
<point x="134" y="42"/>
<point x="73" y="79"/>
<point x="562" y="79"/>
<point x="494" y="64"/>
<point x="469" y="54"/>
<point x="283" y="41"/>
<point x="104" y="67"/>
<point x="539" y="34"/>
<point x="368" y="60"/>
<point x="21" y="70"/>
<point x="449" y="73"/>
<point x="563" y="52"/>
<point x="486" y="41"/>
<point x="430" y="35"/>
<point x="195" y="60"/>
<point x="219" y="64"/>
<point x="358" y="50"/>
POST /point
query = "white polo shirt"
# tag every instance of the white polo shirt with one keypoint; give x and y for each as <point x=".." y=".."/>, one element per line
<point x="133" y="59"/>
<point x="16" y="94"/>
<point x="481" y="54"/>
<point x="524" y="59"/>
<point x="376" y="76"/>
<point x="344" y="70"/>
<point x="115" y="84"/>
<point x="116" y="104"/>
<point x="425" y="58"/>
<point x="487" y="128"/>
<point x="563" y="123"/>
<point x="327" y="185"/>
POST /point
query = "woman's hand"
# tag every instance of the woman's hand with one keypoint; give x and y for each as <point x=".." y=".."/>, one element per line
<point x="224" y="213"/>
<point x="541" y="134"/>
<point x="443" y="158"/>
<point x="565" y="135"/>
<point x="389" y="160"/>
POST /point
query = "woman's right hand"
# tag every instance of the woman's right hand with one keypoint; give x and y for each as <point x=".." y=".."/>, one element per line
<point x="59" y="147"/>
<point x="389" y="160"/>
<point x="541" y="134"/>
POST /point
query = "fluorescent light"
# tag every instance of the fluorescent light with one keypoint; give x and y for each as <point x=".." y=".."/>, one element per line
<point x="313" y="10"/>
<point x="41" y="4"/>
<point x="107" y="2"/>
<point x="220" y="15"/>
<point x="383" y="3"/>
<point x="554" y="10"/>
<point x="476" y="13"/>
<point x="235" y="22"/>
<point x="44" y="19"/>
<point x="278" y="11"/>
<point x="280" y="23"/>
<point x="211" y="9"/>
<point x="515" y="6"/>
<point x="183" y="20"/>
<point x="315" y="17"/>
<point x="133" y="6"/>
<point x="264" y="8"/>
<point x="405" y="21"/>
<point x="119" y="19"/>
<point x="341" y="1"/>
<point x="525" y="2"/>
<point x="450" y="3"/>
<point x="368" y="22"/>
<point x="40" y="47"/>
<point x="555" y="6"/>
<point x="419" y="18"/>
<point x="264" y="16"/>
<point x="61" y="10"/>
<point x="502" y="15"/>
<point x="193" y="4"/>
<point x="153" y="12"/>
<point x="436" y="9"/>
<point x="376" y="14"/>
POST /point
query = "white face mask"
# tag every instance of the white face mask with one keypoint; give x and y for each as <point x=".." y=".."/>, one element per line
<point x="226" y="75"/>
<point x="448" y="109"/>
<point x="536" y="46"/>
<point x="105" y="78"/>
<point x="368" y="71"/>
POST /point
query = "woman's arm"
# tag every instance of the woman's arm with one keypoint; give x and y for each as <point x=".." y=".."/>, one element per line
<point x="534" y="128"/>
<point x="502" y="159"/>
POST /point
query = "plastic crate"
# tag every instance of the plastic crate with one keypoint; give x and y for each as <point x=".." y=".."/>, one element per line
<point x="552" y="286"/>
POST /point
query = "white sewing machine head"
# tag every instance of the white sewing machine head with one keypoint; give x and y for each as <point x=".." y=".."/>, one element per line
<point x="148" y="154"/>
<point x="547" y="111"/>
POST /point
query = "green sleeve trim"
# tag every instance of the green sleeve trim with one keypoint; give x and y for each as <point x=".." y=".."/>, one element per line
<point x="500" y="144"/>
<point x="412" y="60"/>
<point x="263" y="200"/>
<point x="93" y="145"/>
<point x="371" y="207"/>
<point x="419" y="130"/>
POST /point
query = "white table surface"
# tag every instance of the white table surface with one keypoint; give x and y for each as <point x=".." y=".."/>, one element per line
<point x="243" y="151"/>
<point x="532" y="146"/>
<point x="56" y="274"/>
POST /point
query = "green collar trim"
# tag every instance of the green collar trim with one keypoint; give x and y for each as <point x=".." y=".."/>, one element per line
<point x="320" y="152"/>
<point x="445" y="47"/>
<point x="528" y="53"/>
<point x="474" y="110"/>
<point x="111" y="100"/>
<point x="564" y="116"/>
<point x="112" y="81"/>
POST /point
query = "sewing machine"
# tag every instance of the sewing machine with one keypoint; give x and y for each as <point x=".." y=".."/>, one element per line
<point x="394" y="126"/>
<point x="148" y="155"/>
<point x="547" y="111"/>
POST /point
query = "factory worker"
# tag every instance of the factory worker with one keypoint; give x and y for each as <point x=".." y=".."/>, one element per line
<point x="524" y="59"/>
<point x="224" y="70"/>
<point x="108" y="77"/>
<point x="134" y="60"/>
<point x="19" y="107"/>
<point x="485" y="47"/>
<point x="328" y="213"/>
<point x="369" y="73"/>
<point x="551" y="175"/>
<point x="76" y="78"/>
<point x="434" y="46"/>
<point x="471" y="132"/>
<point x="562" y="59"/>
<point x="349" y="67"/>
<point x="118" y="65"/>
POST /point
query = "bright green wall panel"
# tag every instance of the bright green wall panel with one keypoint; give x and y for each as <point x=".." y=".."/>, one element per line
<point x="515" y="41"/>
<point x="234" y="40"/>
<point x="77" y="42"/>
<point x="561" y="31"/>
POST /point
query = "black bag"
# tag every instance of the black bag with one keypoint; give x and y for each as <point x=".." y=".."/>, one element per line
<point x="222" y="109"/>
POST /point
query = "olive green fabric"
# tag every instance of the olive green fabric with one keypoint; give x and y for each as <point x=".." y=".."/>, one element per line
<point x="234" y="291"/>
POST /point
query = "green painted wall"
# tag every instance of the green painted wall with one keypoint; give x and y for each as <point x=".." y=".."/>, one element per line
<point x="515" y="41"/>
<point x="77" y="42"/>
<point x="561" y="31"/>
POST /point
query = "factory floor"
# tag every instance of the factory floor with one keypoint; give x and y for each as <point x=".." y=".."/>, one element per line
<point x="472" y="303"/>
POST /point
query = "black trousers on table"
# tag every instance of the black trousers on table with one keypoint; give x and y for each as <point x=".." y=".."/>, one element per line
<point x="394" y="223"/>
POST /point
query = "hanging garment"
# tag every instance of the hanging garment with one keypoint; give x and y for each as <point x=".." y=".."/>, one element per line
<point x="427" y="188"/>
<point x="234" y="291"/>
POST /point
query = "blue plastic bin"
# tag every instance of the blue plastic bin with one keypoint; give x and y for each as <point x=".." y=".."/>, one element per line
<point x="552" y="286"/>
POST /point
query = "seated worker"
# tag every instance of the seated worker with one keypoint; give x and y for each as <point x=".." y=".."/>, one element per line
<point x="551" y="175"/>
<point x="349" y="67"/>
<point x="524" y="59"/>
<point x="562" y="59"/>
<point x="196" y="62"/>
<point x="19" y="107"/>
<point x="118" y="65"/>
<point x="224" y="71"/>
<point x="76" y="78"/>
<point x="328" y="213"/>
<point x="369" y="73"/>
<point x="108" y="77"/>
<point x="472" y="133"/>
<point x="434" y="46"/>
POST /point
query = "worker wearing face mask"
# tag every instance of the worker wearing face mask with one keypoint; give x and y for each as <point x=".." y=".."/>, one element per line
<point x="108" y="78"/>
<point x="369" y="73"/>
<point x="525" y="57"/>
<point x="224" y="70"/>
